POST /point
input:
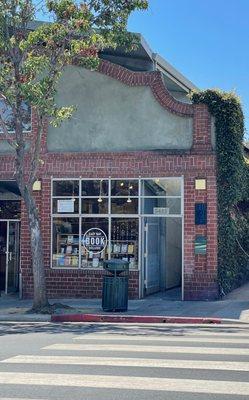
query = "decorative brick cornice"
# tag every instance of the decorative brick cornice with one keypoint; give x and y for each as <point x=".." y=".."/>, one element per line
<point x="152" y="79"/>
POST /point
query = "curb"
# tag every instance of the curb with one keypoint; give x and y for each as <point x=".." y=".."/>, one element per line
<point x="133" y="319"/>
<point x="25" y="318"/>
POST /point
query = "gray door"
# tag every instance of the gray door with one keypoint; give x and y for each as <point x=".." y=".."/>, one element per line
<point x="151" y="256"/>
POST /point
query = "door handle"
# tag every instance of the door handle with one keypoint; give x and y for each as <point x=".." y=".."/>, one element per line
<point x="10" y="255"/>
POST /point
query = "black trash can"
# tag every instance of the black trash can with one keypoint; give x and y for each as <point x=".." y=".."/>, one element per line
<point x="115" y="285"/>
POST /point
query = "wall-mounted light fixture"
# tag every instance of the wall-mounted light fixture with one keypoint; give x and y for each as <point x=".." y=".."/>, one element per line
<point x="37" y="186"/>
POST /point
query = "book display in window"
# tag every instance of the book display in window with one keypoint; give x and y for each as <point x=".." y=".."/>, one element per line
<point x="67" y="254"/>
<point x="93" y="260"/>
<point x="124" y="240"/>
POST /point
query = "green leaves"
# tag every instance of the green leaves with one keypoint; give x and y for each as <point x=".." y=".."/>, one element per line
<point x="60" y="114"/>
<point x="31" y="62"/>
<point x="233" y="185"/>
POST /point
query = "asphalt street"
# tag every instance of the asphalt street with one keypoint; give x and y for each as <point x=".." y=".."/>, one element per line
<point x="107" y="362"/>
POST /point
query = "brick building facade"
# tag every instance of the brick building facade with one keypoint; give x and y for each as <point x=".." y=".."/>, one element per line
<point x="158" y="189"/>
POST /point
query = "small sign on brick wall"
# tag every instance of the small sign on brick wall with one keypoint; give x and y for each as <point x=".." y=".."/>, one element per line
<point x="200" y="245"/>
<point x="200" y="214"/>
<point x="200" y="184"/>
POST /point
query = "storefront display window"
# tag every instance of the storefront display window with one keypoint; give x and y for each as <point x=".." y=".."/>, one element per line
<point x="124" y="188"/>
<point x="125" y="205"/>
<point x="68" y="188"/>
<point x="107" y="215"/>
<point x="66" y="242"/>
<point x="124" y="240"/>
<point x="93" y="188"/>
<point x="94" y="242"/>
<point x="94" y="205"/>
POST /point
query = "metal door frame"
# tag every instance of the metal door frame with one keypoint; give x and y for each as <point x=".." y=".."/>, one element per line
<point x="7" y="250"/>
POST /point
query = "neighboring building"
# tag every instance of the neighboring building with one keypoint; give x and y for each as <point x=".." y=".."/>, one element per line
<point x="135" y="166"/>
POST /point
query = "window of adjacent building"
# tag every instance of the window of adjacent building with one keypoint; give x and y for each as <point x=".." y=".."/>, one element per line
<point x="10" y="209"/>
<point x="7" y="116"/>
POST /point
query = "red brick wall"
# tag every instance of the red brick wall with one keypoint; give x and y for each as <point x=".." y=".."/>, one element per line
<point x="200" y="271"/>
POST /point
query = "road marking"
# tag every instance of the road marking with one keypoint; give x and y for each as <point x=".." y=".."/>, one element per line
<point x="147" y="349"/>
<point x="130" y="362"/>
<point x="165" y="338"/>
<point x="121" y="382"/>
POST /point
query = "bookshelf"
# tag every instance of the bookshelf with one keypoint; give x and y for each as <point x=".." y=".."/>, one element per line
<point x="67" y="251"/>
<point x="125" y="250"/>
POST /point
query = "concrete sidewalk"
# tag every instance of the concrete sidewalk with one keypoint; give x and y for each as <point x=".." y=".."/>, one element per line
<point x="235" y="306"/>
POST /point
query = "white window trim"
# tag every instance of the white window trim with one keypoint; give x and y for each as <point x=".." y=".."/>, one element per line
<point x="139" y="215"/>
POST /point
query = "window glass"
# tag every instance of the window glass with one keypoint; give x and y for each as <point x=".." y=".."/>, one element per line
<point x="69" y="188"/>
<point x="124" y="240"/>
<point x="124" y="187"/>
<point x="161" y="187"/>
<point x="94" y="242"/>
<point x="123" y="231"/>
<point x="94" y="206"/>
<point x="7" y="115"/>
<point x="161" y="206"/>
<point x="66" y="206"/>
<point x="94" y="188"/>
<point x="66" y="242"/>
<point x="10" y="209"/>
<point x="126" y="205"/>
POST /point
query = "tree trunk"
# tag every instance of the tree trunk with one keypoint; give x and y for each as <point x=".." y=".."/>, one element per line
<point x="40" y="300"/>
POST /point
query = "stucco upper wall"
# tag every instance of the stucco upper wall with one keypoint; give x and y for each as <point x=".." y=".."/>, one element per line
<point x="112" y="116"/>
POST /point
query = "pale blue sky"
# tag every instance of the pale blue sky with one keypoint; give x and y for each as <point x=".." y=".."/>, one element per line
<point x="206" y="40"/>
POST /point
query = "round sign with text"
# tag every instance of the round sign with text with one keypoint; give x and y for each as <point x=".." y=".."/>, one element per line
<point x="94" y="240"/>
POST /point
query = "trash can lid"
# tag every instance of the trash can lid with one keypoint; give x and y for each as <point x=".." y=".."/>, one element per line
<point x="116" y="265"/>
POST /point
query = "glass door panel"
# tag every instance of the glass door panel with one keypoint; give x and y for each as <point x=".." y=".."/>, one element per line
<point x="12" y="266"/>
<point x="3" y="249"/>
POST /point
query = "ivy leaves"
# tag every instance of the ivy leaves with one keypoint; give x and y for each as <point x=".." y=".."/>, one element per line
<point x="233" y="185"/>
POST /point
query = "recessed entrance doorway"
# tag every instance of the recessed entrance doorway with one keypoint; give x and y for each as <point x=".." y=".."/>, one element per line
<point x="10" y="210"/>
<point x="162" y="255"/>
<point x="9" y="256"/>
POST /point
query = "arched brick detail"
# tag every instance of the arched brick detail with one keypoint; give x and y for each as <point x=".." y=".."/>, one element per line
<point x="152" y="79"/>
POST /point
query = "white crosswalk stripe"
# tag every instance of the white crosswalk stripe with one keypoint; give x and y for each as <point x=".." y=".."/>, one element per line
<point x="124" y="382"/>
<point x="40" y="370"/>
<point x="165" y="338"/>
<point x="147" y="349"/>
<point x="130" y="362"/>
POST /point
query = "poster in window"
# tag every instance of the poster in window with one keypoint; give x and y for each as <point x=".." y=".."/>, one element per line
<point x="65" y="206"/>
